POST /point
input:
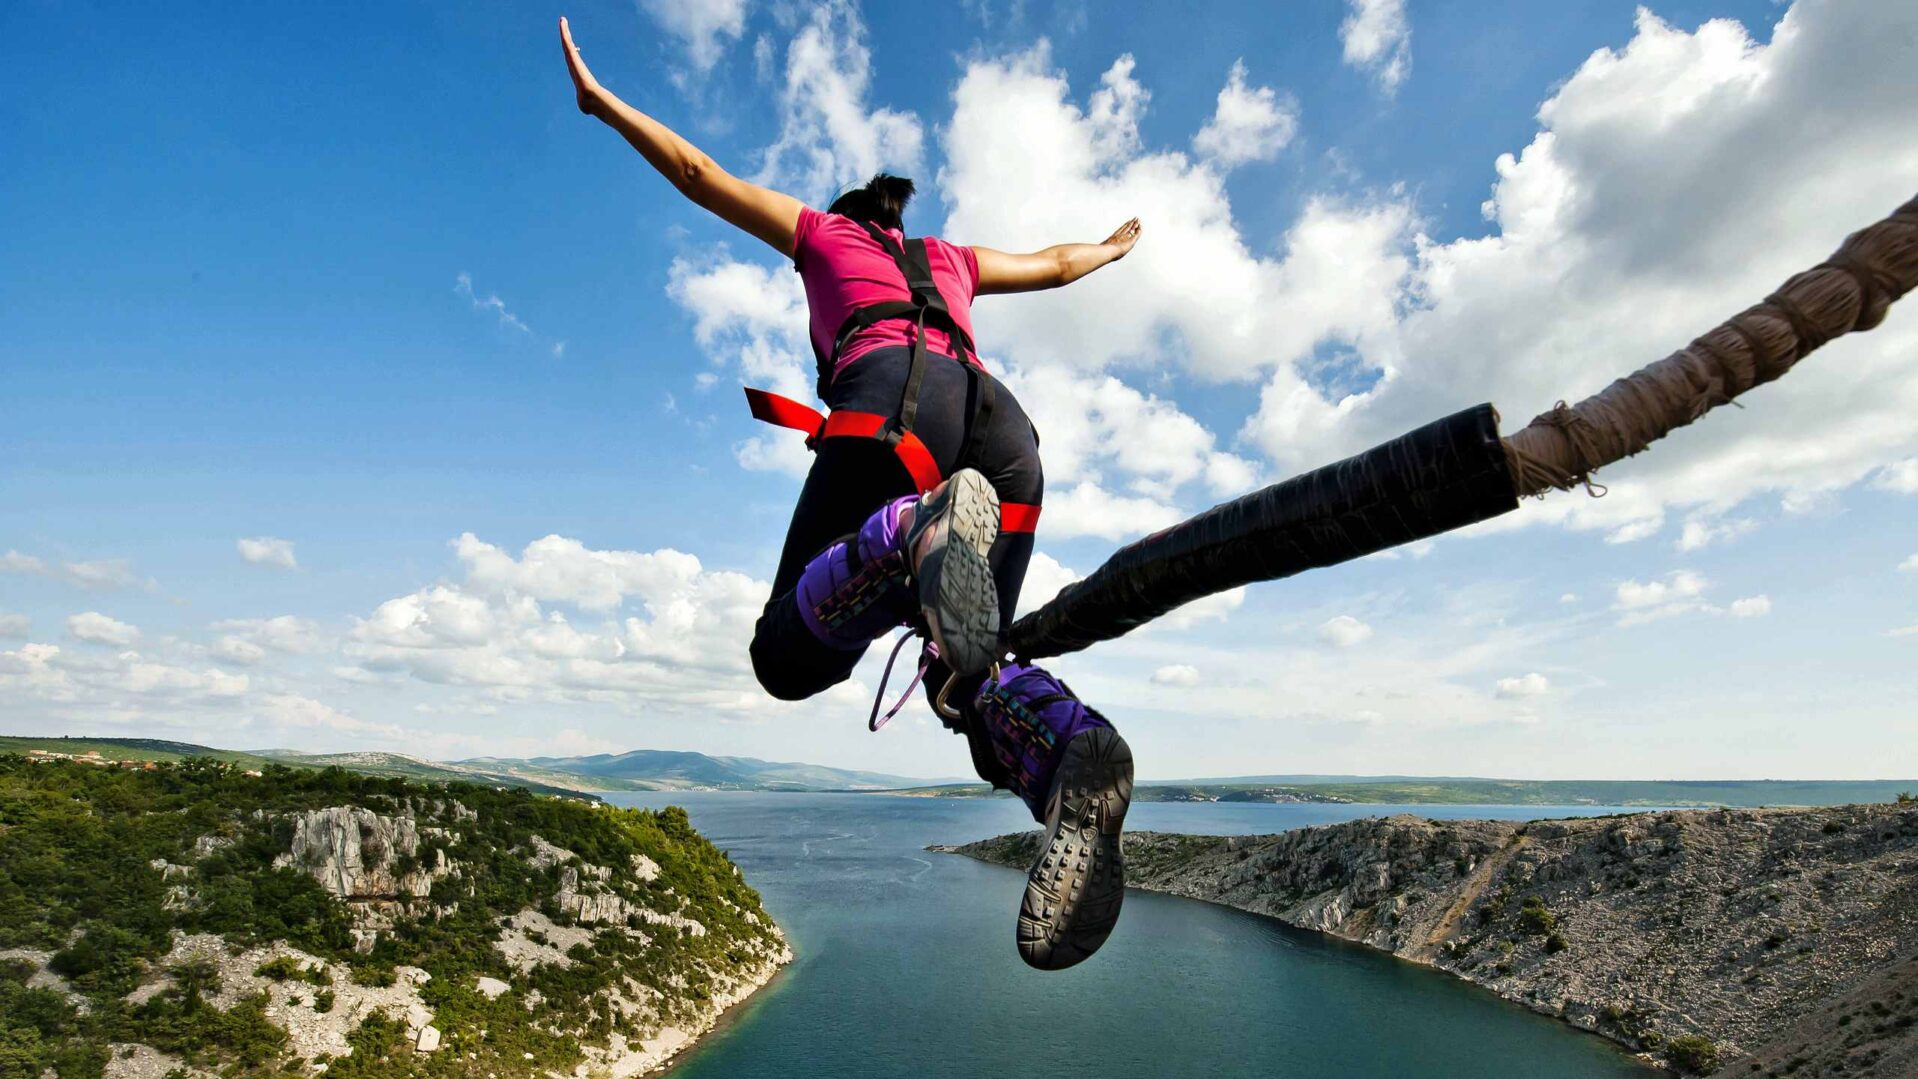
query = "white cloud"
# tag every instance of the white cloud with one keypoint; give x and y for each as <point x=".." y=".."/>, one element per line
<point x="651" y="628"/>
<point x="705" y="27"/>
<point x="1909" y="565"/>
<point x="1681" y="592"/>
<point x="289" y="711"/>
<point x="828" y="136"/>
<point x="1377" y="38"/>
<point x="750" y="317"/>
<point x="15" y="625"/>
<point x="1751" y="607"/>
<point x="1183" y="675"/>
<point x="1623" y="230"/>
<point x="1526" y="685"/>
<point x="1250" y="123"/>
<point x="268" y="551"/>
<point x="1087" y="509"/>
<point x="101" y="575"/>
<point x="1702" y="531"/>
<point x="489" y="303"/>
<point x="286" y="633"/>
<point x="1026" y="167"/>
<point x="96" y="628"/>
<point x="1899" y="476"/>
<point x="1569" y="597"/>
<point x="1098" y="420"/>
<point x="1045" y="577"/>
<point x="238" y="650"/>
<point x="1344" y="631"/>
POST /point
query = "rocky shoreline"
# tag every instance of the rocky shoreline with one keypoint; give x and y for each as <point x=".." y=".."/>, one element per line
<point x="1756" y="941"/>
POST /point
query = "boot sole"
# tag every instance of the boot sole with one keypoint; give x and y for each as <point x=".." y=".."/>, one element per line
<point x="1075" y="888"/>
<point x="956" y="587"/>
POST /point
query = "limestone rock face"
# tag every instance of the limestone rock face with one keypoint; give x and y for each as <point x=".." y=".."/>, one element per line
<point x="1732" y="924"/>
<point x="355" y="853"/>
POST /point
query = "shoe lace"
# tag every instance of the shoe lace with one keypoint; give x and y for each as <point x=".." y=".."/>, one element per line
<point x="875" y="720"/>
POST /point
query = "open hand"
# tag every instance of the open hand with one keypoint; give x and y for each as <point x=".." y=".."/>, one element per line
<point x="1123" y="238"/>
<point x="585" y="87"/>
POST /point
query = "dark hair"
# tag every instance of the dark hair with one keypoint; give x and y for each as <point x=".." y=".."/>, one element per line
<point x="882" y="201"/>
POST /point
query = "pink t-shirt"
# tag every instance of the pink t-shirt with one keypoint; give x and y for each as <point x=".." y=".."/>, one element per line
<point x="844" y="270"/>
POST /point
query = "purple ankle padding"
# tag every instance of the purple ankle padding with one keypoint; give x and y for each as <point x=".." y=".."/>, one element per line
<point x="830" y="576"/>
<point x="1030" y="716"/>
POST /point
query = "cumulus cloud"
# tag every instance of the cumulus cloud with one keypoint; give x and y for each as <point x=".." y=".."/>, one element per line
<point x="1344" y="631"/>
<point x="1899" y="476"/>
<point x="96" y="628"/>
<point x="1909" y="565"/>
<point x="1377" y="38"/>
<point x="268" y="551"/>
<point x="101" y="575"/>
<point x="1183" y="675"/>
<point x="1751" y="607"/>
<point x="1702" y="531"/>
<point x="1044" y="579"/>
<point x="1623" y="229"/>
<point x="563" y="621"/>
<point x="1250" y="123"/>
<point x="706" y="28"/>
<point x="1526" y="685"/>
<point x="1680" y="592"/>
<point x="1027" y="166"/>
<point x="15" y="625"/>
<point x="828" y="136"/>
<point x="287" y="634"/>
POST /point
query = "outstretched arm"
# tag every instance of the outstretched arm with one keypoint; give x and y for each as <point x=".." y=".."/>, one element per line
<point x="1053" y="267"/>
<point x="767" y="214"/>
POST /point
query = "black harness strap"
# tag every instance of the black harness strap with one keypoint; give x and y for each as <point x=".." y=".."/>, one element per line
<point x="927" y="306"/>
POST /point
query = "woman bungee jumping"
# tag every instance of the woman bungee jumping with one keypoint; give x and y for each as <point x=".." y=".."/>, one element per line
<point x="920" y="505"/>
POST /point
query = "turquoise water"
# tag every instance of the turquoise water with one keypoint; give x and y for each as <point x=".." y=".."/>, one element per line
<point x="906" y="964"/>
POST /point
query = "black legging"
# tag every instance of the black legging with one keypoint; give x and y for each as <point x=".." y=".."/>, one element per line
<point x="852" y="477"/>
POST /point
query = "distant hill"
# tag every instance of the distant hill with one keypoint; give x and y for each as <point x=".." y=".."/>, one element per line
<point x="130" y="749"/>
<point x="657" y="769"/>
<point x="638" y="770"/>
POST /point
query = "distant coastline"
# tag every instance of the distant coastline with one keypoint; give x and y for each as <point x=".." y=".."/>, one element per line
<point x="670" y="770"/>
<point x="1767" y="938"/>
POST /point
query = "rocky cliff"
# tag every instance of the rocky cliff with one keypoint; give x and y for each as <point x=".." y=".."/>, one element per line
<point x="200" y="920"/>
<point x="1760" y="941"/>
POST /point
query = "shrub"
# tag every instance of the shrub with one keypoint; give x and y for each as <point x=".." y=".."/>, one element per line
<point x="323" y="1001"/>
<point x="279" y="968"/>
<point x="1692" y="1054"/>
<point x="1556" y="943"/>
<point x="1534" y="919"/>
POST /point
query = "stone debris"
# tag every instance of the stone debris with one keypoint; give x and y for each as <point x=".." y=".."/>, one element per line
<point x="491" y="988"/>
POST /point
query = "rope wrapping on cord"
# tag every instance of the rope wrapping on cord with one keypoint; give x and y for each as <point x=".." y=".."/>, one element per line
<point x="1848" y="292"/>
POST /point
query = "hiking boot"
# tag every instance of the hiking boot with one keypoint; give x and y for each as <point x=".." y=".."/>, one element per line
<point x="926" y="554"/>
<point x="1074" y="772"/>
<point x="949" y="536"/>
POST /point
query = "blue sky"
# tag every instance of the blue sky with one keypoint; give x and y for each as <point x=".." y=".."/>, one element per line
<point x="361" y="281"/>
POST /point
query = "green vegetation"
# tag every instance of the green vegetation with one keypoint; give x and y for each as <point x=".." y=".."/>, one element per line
<point x="103" y="867"/>
<point x="1692" y="1054"/>
<point x="1534" y="919"/>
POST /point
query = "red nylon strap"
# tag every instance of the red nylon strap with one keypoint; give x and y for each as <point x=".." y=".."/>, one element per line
<point x="1018" y="517"/>
<point x="785" y="412"/>
<point x="1015" y="517"/>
